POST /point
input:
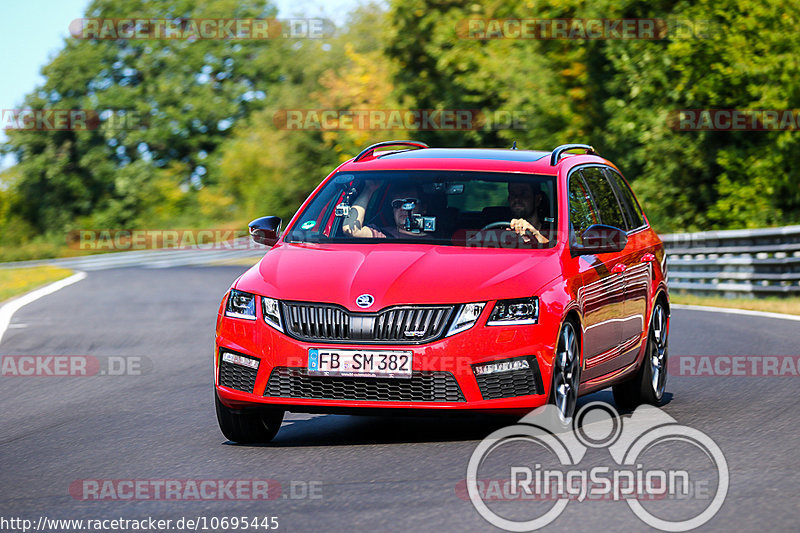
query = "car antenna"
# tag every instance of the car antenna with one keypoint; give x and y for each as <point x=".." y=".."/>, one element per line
<point x="514" y="145"/>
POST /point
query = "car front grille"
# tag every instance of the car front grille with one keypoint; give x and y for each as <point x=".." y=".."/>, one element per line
<point x="332" y="323"/>
<point x="237" y="376"/>
<point x="423" y="386"/>
<point x="511" y="383"/>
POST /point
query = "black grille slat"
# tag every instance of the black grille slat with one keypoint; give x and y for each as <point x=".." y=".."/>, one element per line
<point x="408" y="320"/>
<point x="237" y="377"/>
<point x="329" y="322"/>
<point x="423" y="386"/>
<point x="437" y="319"/>
<point x="389" y="326"/>
<point x="395" y="323"/>
<point x="425" y="321"/>
<point x="379" y="326"/>
<point x="319" y="321"/>
<point x="304" y="320"/>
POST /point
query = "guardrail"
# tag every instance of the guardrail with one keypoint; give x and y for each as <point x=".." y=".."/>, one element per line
<point x="735" y="263"/>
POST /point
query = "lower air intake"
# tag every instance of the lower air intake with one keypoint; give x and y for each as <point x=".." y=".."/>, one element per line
<point x="421" y="387"/>
<point x="511" y="383"/>
<point x="237" y="376"/>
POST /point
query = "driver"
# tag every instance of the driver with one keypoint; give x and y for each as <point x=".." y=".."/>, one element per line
<point x="524" y="199"/>
<point x="354" y="223"/>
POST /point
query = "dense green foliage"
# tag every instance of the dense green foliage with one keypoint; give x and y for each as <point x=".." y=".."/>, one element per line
<point x="206" y="146"/>
<point x="618" y="95"/>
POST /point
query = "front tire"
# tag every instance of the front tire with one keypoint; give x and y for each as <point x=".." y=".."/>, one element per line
<point x="649" y="383"/>
<point x="248" y="426"/>
<point x="566" y="374"/>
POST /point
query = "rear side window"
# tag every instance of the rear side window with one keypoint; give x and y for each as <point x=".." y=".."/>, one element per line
<point x="629" y="202"/>
<point x="604" y="197"/>
<point x="582" y="213"/>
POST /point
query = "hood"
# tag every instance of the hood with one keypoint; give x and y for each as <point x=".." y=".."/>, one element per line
<point x="398" y="274"/>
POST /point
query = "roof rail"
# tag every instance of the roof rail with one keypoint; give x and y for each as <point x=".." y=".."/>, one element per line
<point x="556" y="155"/>
<point x="368" y="151"/>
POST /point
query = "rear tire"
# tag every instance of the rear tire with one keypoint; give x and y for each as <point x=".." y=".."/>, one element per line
<point x="248" y="426"/>
<point x="649" y="383"/>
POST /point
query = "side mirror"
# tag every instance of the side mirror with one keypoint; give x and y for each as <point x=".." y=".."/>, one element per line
<point x="599" y="239"/>
<point x="265" y="230"/>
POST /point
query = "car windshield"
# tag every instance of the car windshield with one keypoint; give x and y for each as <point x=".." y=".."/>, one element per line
<point x="455" y="208"/>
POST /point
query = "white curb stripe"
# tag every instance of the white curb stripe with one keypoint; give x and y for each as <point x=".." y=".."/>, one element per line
<point x="8" y="310"/>
<point x="734" y="311"/>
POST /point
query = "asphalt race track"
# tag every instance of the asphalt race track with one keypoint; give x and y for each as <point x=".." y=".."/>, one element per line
<point x="336" y="473"/>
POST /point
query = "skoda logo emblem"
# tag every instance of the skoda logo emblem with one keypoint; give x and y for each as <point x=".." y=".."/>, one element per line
<point x="365" y="300"/>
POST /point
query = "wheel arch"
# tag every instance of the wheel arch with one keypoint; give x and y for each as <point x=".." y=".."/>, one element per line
<point x="573" y="315"/>
<point x="661" y="297"/>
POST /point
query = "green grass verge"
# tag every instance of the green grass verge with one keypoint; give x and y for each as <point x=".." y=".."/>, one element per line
<point x="788" y="306"/>
<point x="16" y="281"/>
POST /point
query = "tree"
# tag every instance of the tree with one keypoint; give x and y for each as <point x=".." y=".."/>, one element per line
<point x="177" y="101"/>
<point x="269" y="169"/>
<point x="619" y="95"/>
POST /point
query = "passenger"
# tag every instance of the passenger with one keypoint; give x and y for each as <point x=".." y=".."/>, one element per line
<point x="354" y="223"/>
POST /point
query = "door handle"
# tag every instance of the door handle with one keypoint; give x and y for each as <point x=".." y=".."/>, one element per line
<point x="619" y="268"/>
<point x="648" y="258"/>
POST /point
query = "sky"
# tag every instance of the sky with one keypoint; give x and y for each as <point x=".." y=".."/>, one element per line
<point x="32" y="32"/>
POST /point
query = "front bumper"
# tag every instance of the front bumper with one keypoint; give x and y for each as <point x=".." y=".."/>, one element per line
<point x="442" y="379"/>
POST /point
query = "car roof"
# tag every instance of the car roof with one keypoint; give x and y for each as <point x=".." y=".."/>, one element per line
<point x="465" y="159"/>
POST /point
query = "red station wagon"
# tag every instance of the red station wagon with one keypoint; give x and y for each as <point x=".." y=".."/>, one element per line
<point x="449" y="280"/>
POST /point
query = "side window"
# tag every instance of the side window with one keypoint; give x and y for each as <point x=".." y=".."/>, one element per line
<point x="628" y="199"/>
<point x="604" y="198"/>
<point x="582" y="213"/>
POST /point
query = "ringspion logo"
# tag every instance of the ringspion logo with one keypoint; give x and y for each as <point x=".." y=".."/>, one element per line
<point x="541" y="461"/>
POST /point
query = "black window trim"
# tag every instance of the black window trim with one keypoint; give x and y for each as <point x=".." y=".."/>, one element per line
<point x="571" y="240"/>
<point x="623" y="206"/>
<point x="645" y="224"/>
<point x="604" y="169"/>
<point x="622" y="210"/>
<point x="524" y="175"/>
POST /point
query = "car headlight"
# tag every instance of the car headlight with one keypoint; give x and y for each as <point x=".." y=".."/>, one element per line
<point x="241" y="305"/>
<point x="516" y="311"/>
<point x="466" y="318"/>
<point x="272" y="314"/>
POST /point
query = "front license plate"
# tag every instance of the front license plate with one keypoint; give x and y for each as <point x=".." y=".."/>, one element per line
<point x="368" y="363"/>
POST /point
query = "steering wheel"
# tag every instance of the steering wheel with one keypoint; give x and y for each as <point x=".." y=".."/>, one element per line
<point x="495" y="225"/>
